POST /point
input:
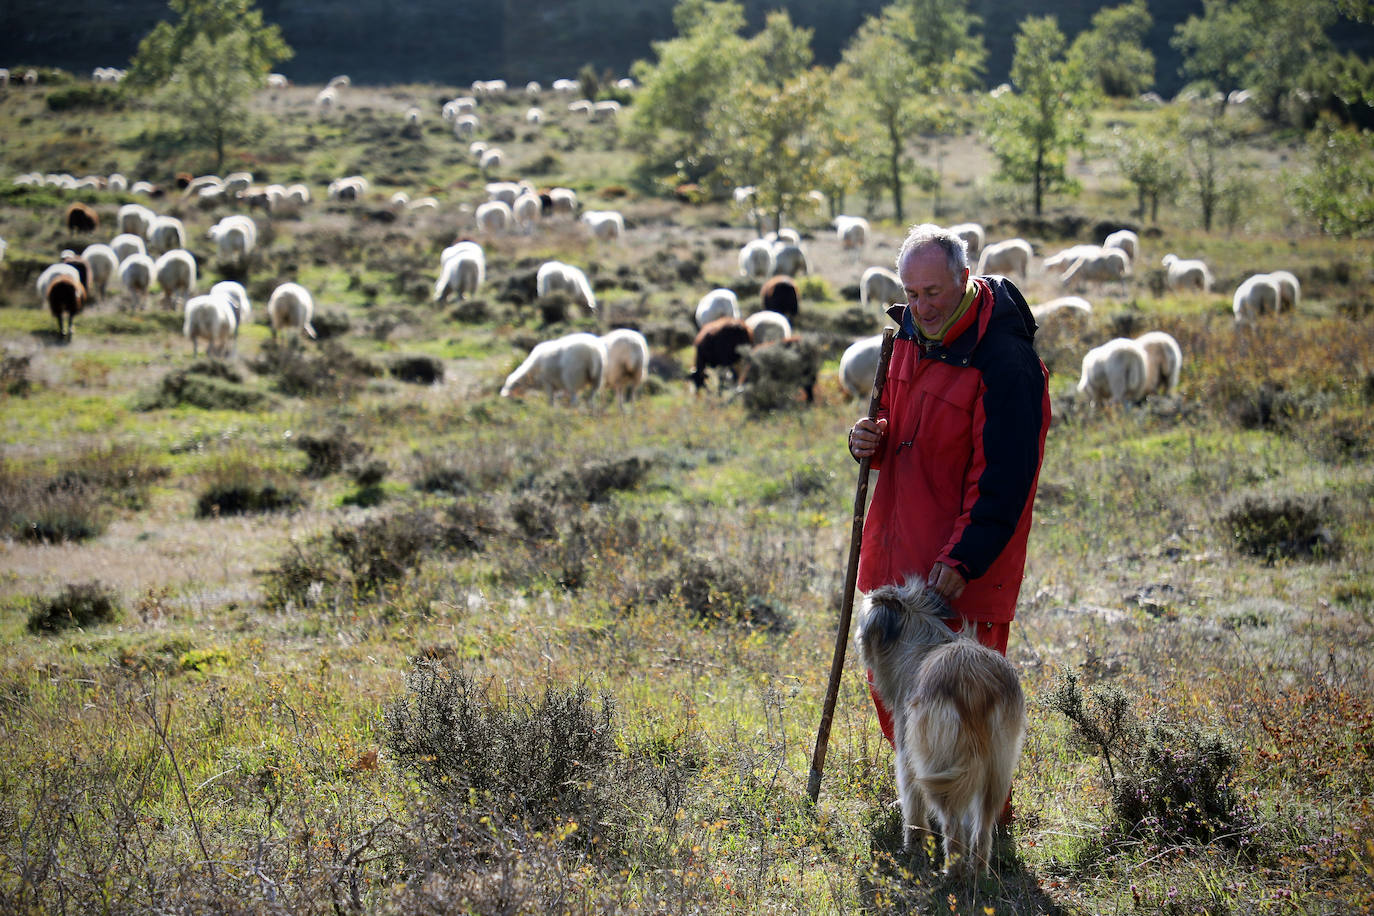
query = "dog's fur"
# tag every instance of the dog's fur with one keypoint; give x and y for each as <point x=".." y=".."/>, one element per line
<point x="958" y="719"/>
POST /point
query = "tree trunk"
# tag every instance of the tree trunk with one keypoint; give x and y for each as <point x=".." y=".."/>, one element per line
<point x="1037" y="179"/>
<point x="895" y="169"/>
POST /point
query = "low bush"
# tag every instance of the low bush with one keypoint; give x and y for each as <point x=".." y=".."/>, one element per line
<point x="80" y="605"/>
<point x="74" y="504"/>
<point x="330" y="453"/>
<point x="717" y="590"/>
<point x="417" y="370"/>
<point x="208" y="385"/>
<point x="1283" y="527"/>
<point x="240" y="486"/>
<point x="780" y="371"/>
<point x="336" y="372"/>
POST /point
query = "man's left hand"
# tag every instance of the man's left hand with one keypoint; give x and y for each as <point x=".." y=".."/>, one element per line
<point x="945" y="582"/>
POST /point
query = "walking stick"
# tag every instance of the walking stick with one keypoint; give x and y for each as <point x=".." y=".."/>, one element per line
<point x="851" y="575"/>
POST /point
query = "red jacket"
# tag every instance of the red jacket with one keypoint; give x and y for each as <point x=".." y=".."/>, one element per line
<point x="966" y="429"/>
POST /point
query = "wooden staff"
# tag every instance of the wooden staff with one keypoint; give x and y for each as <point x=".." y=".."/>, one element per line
<point x="851" y="575"/>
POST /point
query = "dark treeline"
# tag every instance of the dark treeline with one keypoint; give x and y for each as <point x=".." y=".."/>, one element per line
<point x="452" y="42"/>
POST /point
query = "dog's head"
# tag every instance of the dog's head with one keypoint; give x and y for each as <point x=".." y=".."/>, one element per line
<point x="889" y="611"/>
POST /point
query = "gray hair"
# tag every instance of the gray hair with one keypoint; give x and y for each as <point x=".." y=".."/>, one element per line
<point x="955" y="249"/>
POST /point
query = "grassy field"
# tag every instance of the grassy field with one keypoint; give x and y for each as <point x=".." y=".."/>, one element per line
<point x="289" y="633"/>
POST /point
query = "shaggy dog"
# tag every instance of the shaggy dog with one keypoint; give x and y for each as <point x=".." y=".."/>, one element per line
<point x="958" y="719"/>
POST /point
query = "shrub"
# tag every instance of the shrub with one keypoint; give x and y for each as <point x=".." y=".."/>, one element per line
<point x="240" y="486"/>
<point x="208" y="385"/>
<point x="591" y="481"/>
<point x="14" y="375"/>
<point x="1286" y="527"/>
<point x="777" y="372"/>
<point x="81" y="605"/>
<point x="329" y="453"/>
<point x="418" y="370"/>
<point x="336" y="372"/>
<point x="716" y="590"/>
<point x="73" y="505"/>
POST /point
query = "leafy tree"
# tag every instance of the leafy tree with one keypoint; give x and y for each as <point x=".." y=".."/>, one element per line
<point x="783" y="48"/>
<point x="1033" y="128"/>
<point x="1147" y="161"/>
<point x="1207" y="157"/>
<point x="210" y="88"/>
<point x="1113" y="50"/>
<point x="1337" y="189"/>
<point x="164" y="48"/>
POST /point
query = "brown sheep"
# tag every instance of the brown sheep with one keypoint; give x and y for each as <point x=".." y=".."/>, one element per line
<point x="81" y="218"/>
<point x="722" y="344"/>
<point x="779" y="295"/>
<point x="83" y="267"/>
<point x="66" y="297"/>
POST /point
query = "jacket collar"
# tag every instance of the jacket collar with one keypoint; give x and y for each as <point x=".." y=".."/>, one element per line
<point x="960" y="340"/>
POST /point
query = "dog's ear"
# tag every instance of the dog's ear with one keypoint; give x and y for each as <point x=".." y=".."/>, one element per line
<point x="882" y="621"/>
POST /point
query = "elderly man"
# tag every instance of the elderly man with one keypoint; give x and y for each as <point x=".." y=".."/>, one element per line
<point x="959" y="439"/>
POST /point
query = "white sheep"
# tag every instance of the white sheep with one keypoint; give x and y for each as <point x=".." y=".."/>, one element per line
<point x="1115" y="371"/>
<point x="1068" y="256"/>
<point x="136" y="276"/>
<point x="852" y="231"/>
<point x="534" y="115"/>
<point x="175" y="272"/>
<point x="1289" y="289"/>
<point x="859" y="365"/>
<point x="606" y="109"/>
<point x="209" y="318"/>
<point x="786" y="235"/>
<point x="465" y="125"/>
<point x="277" y="81"/>
<point x="974" y="238"/>
<point x="412" y="116"/>
<point x="235" y="236"/>
<point x="526" y="211"/>
<point x="504" y="191"/>
<point x="566" y="365"/>
<point x="298" y="194"/>
<point x="768" y="325"/>
<point x="51" y="273"/>
<point x="1163" y="361"/>
<point x="464" y="247"/>
<point x="340" y="82"/>
<point x="291" y="307"/>
<point x="491" y="158"/>
<point x="881" y="286"/>
<point x="789" y="259"/>
<point x="493" y="217"/>
<point x="237" y="182"/>
<point x="134" y="219"/>
<point x="104" y="263"/>
<point x="1126" y="240"/>
<point x="126" y="243"/>
<point x="326" y="100"/>
<point x="627" y="363"/>
<point x="422" y="203"/>
<point x="353" y="187"/>
<point x="461" y="274"/>
<point x="238" y="300"/>
<point x="165" y="233"/>
<point x="582" y="107"/>
<point x="563" y="201"/>
<point x="117" y="182"/>
<point x="564" y="84"/>
<point x="1062" y="307"/>
<point x="1102" y="266"/>
<point x="718" y="303"/>
<point x="533" y="88"/>
<point x="1258" y="294"/>
<point x="557" y="277"/>
<point x="606" y="225"/>
<point x="1005" y="257"/>
<point x="756" y="259"/>
<point x="1186" y="274"/>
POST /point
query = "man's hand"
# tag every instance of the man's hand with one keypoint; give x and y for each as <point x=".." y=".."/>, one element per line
<point x="945" y="582"/>
<point x="865" y="436"/>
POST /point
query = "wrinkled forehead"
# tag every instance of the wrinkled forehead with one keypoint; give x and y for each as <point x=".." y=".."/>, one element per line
<point x="925" y="266"/>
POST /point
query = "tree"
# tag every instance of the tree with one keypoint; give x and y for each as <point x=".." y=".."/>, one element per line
<point x="783" y="49"/>
<point x="209" y="90"/>
<point x="1113" y="50"/>
<point x="1206" y="145"/>
<point x="1033" y="128"/>
<point x="1148" y="162"/>
<point x="164" y="48"/>
<point x="1337" y="188"/>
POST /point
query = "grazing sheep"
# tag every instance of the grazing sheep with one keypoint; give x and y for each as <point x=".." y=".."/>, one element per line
<point x="340" y="82"/>
<point x="165" y="233"/>
<point x="859" y="365"/>
<point x="103" y="263"/>
<point x="235" y="236"/>
<point x="1005" y="258"/>
<point x="1163" y="361"/>
<point x="353" y="187"/>
<point x="627" y="363"/>
<point x="412" y="116"/>
<point x="235" y="183"/>
<point x="1115" y="371"/>
<point x="126" y="243"/>
<point x="117" y="182"/>
<point x="505" y="191"/>
<point x="582" y="107"/>
<point x="974" y="238"/>
<point x="326" y="100"/>
<point x="1289" y="289"/>
<point x="1068" y="256"/>
<point x="718" y="303"/>
<point x="298" y="194"/>
<point x="1186" y="274"/>
<point x="534" y="115"/>
<point x="767" y="326"/>
<point x="465" y="125"/>
<point x="175" y="272"/>
<point x="526" y="211"/>
<point x="565" y="365"/>
<point x="490" y="159"/>
<point x="238" y="300"/>
<point x="756" y="259"/>
<point x="460" y="274"/>
<point x="786" y="235"/>
<point x="136" y="276"/>
<point x="1258" y="294"/>
<point x="722" y="344"/>
<point x="557" y="277"/>
<point x="607" y="109"/>
<point x="463" y="246"/>
<point x="209" y="318"/>
<point x="1063" y="306"/>
<point x="881" y="286"/>
<point x="789" y="259"/>
<point x="81" y="218"/>
<point x="1126" y="240"/>
<point x="82" y="267"/>
<point x="606" y="225"/>
<point x="291" y="307"/>
<point x="66" y="297"/>
<point x="52" y="272"/>
<point x="779" y="294"/>
<point x="1103" y="266"/>
<point x="494" y="217"/>
<point x="852" y="232"/>
<point x="277" y="81"/>
<point x="563" y="201"/>
<point x="533" y="88"/>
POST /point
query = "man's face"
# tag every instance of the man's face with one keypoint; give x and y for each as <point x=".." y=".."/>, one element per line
<point x="931" y="292"/>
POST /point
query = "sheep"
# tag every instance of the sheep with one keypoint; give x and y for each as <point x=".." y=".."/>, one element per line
<point x="606" y="108"/>
<point x="973" y="235"/>
<point x="81" y="218"/>
<point x="1289" y="289"/>
<point x="493" y="217"/>
<point x="277" y="81"/>
<point x="103" y="263"/>
<point x="238" y="300"/>
<point x="412" y="116"/>
<point x="563" y="201"/>
<point x="534" y="115"/>
<point x="625" y="83"/>
<point x="463" y="247"/>
<point x="1068" y="256"/>
<point x="565" y="85"/>
<point x="533" y="88"/>
<point x="136" y="276"/>
<point x="852" y="231"/>
<point x="1115" y="371"/>
<point x="290" y="307"/>
<point x="51" y="273"/>
<point x="881" y="286"/>
<point x="756" y="259"/>
<point x="789" y="259"/>
<point x="1063" y="306"/>
<point x="722" y="344"/>
<point x="465" y="125"/>
<point x="582" y="107"/>
<point x="298" y="194"/>
<point x="768" y="325"/>
<point x="340" y="82"/>
<point x="557" y="277"/>
<point x="66" y="297"/>
<point x="859" y="365"/>
<point x="117" y="182"/>
<point x="165" y="233"/>
<point x="81" y="265"/>
<point x="785" y="235"/>
<point x="1005" y="257"/>
<point x="779" y="294"/>
<point x="326" y="100"/>
<point x="1126" y="240"/>
<point x="126" y="243"/>
<point x="354" y="187"/>
<point x="235" y="236"/>
<point x="461" y="274"/>
<point x="718" y="303"/>
<point x="209" y="318"/>
<point x="1163" y="361"/>
<point x="526" y="211"/>
<point x="1186" y="274"/>
<point x="236" y="183"/>
<point x="627" y="363"/>
<point x="606" y="225"/>
<point x="490" y="159"/>
<point x="565" y="365"/>
<point x="1255" y="296"/>
<point x="175" y="272"/>
<point x="1101" y="267"/>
